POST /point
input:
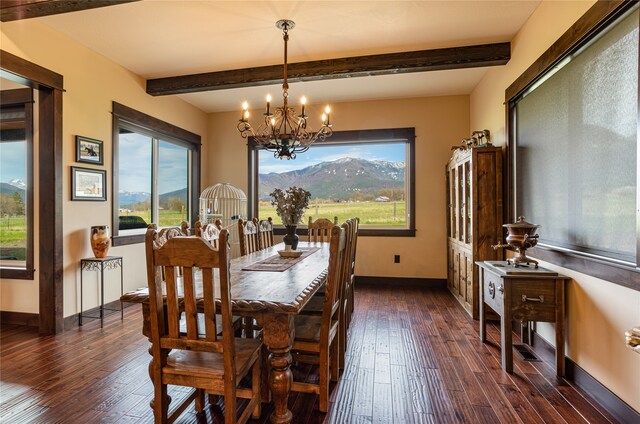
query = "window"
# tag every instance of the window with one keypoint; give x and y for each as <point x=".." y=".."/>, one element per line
<point x="156" y="174"/>
<point x="366" y="174"/>
<point x="16" y="181"/>
<point x="574" y="133"/>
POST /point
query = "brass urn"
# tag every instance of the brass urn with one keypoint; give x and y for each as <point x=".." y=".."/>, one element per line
<point x="521" y="236"/>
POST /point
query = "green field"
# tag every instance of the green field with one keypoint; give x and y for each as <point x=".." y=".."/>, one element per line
<point x="370" y="213"/>
<point x="13" y="237"/>
<point x="168" y="218"/>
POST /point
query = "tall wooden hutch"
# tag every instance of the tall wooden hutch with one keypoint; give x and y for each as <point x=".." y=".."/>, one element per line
<point x="474" y="218"/>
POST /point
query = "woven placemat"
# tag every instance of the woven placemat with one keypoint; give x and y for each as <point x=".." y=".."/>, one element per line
<point x="278" y="263"/>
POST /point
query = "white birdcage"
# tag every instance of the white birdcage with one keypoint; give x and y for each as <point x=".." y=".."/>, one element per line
<point x="226" y="203"/>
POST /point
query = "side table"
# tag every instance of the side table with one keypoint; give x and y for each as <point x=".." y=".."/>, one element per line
<point x="522" y="294"/>
<point x="100" y="264"/>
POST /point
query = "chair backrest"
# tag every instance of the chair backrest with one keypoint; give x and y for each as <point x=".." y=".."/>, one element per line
<point x="320" y="229"/>
<point x="335" y="278"/>
<point x="210" y="232"/>
<point x="176" y="255"/>
<point x="265" y="231"/>
<point x="248" y="234"/>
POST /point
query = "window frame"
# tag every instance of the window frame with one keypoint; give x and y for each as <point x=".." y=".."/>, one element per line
<point x="127" y="117"/>
<point x="349" y="137"/>
<point x="589" y="26"/>
<point x="24" y="97"/>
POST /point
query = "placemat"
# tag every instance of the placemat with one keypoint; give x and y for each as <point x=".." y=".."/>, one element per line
<point x="278" y="263"/>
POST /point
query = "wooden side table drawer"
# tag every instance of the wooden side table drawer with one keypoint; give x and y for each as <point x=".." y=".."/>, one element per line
<point x="493" y="292"/>
<point x="533" y="300"/>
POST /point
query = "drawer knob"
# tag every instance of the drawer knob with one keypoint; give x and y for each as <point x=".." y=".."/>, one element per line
<point x="501" y="289"/>
<point x="539" y="299"/>
<point x="492" y="289"/>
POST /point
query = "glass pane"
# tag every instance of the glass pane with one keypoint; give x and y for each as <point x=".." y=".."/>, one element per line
<point x="134" y="179"/>
<point x="13" y="207"/>
<point x="173" y="184"/>
<point x="364" y="180"/>
<point x="576" y="148"/>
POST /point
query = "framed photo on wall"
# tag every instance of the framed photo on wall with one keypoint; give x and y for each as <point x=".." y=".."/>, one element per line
<point x="89" y="150"/>
<point x="88" y="184"/>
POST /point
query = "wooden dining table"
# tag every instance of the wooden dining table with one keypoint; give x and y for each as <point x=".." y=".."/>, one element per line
<point x="273" y="298"/>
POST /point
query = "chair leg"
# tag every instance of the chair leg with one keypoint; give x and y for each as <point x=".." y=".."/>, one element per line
<point x="342" y="335"/>
<point x="213" y="399"/>
<point x="230" y="407"/>
<point x="160" y="404"/>
<point x="200" y="401"/>
<point x="324" y="380"/>
<point x="255" y="389"/>
<point x="335" y="358"/>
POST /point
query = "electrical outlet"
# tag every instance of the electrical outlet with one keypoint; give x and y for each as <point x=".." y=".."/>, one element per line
<point x="396" y="259"/>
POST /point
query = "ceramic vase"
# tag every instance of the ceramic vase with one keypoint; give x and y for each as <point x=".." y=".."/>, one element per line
<point x="100" y="240"/>
<point x="291" y="238"/>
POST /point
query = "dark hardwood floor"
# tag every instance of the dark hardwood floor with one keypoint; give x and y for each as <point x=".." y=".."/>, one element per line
<point x="413" y="357"/>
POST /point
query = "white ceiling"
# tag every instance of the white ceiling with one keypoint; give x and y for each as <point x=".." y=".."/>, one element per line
<point x="159" y="38"/>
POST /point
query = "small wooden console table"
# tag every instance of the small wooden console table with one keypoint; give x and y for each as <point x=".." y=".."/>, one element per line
<point x="522" y="294"/>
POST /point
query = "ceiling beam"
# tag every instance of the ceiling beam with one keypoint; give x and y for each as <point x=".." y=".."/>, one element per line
<point x="346" y="67"/>
<point x="14" y="10"/>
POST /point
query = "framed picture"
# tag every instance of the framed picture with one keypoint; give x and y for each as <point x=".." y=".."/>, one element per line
<point x="89" y="150"/>
<point x="88" y="184"/>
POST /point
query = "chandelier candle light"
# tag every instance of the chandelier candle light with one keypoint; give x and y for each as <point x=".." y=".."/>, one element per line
<point x="282" y="132"/>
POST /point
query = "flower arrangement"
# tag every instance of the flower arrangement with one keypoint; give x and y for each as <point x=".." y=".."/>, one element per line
<point x="290" y="204"/>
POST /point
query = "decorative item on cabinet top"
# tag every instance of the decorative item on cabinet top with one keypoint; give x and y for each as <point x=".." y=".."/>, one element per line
<point x="480" y="138"/>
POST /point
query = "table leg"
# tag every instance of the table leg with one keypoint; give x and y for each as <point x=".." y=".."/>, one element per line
<point x="278" y="336"/>
<point x="101" y="294"/>
<point x="81" y="282"/>
<point x="482" y="309"/>
<point x="506" y="332"/>
<point x="560" y="328"/>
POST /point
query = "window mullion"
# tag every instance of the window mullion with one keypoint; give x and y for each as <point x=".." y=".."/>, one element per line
<point x="155" y="216"/>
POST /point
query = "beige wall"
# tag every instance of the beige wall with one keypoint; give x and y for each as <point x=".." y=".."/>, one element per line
<point x="598" y="312"/>
<point x="92" y="82"/>
<point x="440" y="122"/>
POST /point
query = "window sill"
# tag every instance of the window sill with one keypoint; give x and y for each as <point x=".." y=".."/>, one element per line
<point x="17" y="273"/>
<point x="364" y="232"/>
<point x="128" y="239"/>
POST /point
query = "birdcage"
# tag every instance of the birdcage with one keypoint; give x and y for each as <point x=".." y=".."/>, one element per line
<point x="226" y="203"/>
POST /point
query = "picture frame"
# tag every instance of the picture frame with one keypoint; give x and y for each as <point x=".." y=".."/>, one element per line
<point x="89" y="150"/>
<point x="88" y="184"/>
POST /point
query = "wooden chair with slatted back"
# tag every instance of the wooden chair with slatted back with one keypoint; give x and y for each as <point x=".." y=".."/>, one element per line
<point x="320" y="229"/>
<point x="316" y="337"/>
<point x="209" y="231"/>
<point x="248" y="234"/>
<point x="265" y="231"/>
<point x="210" y="364"/>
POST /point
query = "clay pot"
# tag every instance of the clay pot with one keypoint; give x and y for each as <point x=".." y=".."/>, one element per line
<point x="100" y="240"/>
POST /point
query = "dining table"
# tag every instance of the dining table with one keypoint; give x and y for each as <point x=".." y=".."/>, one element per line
<point x="273" y="290"/>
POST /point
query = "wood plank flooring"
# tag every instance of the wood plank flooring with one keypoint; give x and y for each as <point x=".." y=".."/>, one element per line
<point x="413" y="356"/>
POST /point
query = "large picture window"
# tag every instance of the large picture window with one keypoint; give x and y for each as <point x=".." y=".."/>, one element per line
<point x="364" y="174"/>
<point x="155" y="175"/>
<point x="574" y="144"/>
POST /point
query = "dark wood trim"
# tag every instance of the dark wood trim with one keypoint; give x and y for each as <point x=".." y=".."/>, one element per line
<point x="72" y="320"/>
<point x="26" y="9"/>
<point x="601" y="14"/>
<point x="19" y="318"/>
<point x="347" y="137"/>
<point x="432" y="283"/>
<point x="23" y="72"/>
<point x="24" y="97"/>
<point x="581" y="378"/>
<point x="598" y="16"/>
<point x="159" y="128"/>
<point x="345" y="67"/>
<point x="50" y="211"/>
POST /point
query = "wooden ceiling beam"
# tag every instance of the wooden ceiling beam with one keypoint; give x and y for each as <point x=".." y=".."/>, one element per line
<point x="14" y="10"/>
<point x="346" y="67"/>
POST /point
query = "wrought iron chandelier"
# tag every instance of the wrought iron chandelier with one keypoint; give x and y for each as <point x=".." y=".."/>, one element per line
<point x="282" y="132"/>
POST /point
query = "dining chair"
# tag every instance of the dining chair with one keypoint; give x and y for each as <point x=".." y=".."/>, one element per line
<point x="208" y="362"/>
<point x="248" y="234"/>
<point x="209" y="231"/>
<point x="265" y="231"/>
<point x="320" y="229"/>
<point x="316" y="337"/>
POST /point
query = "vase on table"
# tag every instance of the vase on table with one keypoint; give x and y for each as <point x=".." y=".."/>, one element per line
<point x="291" y="238"/>
<point x="100" y="240"/>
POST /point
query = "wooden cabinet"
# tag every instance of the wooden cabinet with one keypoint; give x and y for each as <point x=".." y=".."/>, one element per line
<point x="474" y="218"/>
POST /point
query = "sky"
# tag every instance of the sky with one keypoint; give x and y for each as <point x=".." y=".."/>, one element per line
<point x="392" y="152"/>
<point x="135" y="165"/>
<point x="13" y="161"/>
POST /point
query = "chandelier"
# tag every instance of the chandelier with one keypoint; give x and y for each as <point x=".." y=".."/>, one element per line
<point x="281" y="131"/>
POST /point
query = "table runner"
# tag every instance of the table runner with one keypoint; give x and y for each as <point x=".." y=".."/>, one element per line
<point x="278" y="263"/>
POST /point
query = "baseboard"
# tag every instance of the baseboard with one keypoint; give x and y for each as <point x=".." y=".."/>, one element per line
<point x="72" y="321"/>
<point x="581" y="378"/>
<point x="435" y="283"/>
<point x="20" y="318"/>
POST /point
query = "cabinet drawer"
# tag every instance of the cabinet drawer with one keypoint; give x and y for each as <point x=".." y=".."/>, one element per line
<point x="534" y="300"/>
<point x="493" y="295"/>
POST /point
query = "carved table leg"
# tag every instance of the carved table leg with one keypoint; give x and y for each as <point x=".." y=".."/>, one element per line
<point x="278" y="336"/>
